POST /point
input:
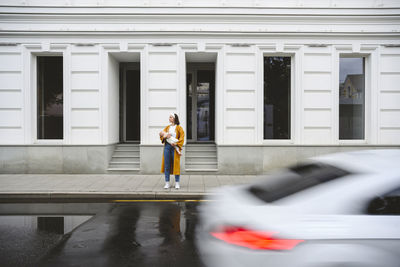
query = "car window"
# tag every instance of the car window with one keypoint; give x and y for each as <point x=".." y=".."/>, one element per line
<point x="387" y="204"/>
<point x="295" y="179"/>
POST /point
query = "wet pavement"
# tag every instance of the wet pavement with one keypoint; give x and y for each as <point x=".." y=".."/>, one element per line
<point x="99" y="234"/>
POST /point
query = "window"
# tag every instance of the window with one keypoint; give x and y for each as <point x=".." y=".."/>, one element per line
<point x="277" y="72"/>
<point x="294" y="180"/>
<point x="50" y="97"/>
<point x="389" y="204"/>
<point x="351" y="98"/>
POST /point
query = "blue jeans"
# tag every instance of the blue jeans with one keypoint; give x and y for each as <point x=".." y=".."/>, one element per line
<point x="168" y="160"/>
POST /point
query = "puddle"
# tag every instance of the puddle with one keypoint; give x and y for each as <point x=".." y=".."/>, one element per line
<point x="98" y="234"/>
<point x="24" y="239"/>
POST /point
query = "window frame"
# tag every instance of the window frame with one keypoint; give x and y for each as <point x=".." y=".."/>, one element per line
<point x="291" y="140"/>
<point x="34" y="72"/>
<point x="367" y="97"/>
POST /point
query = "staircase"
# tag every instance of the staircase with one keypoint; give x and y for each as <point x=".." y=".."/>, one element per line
<point x="200" y="158"/>
<point x="126" y="158"/>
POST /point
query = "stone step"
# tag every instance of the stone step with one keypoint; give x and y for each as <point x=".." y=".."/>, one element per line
<point x="200" y="148"/>
<point x="201" y="158"/>
<point x="129" y="144"/>
<point x="209" y="166"/>
<point x="203" y="163"/>
<point x="125" y="161"/>
<point x="200" y="153"/>
<point x="124" y="165"/>
<point x="125" y="158"/>
<point x="135" y="155"/>
<point x="195" y="159"/>
<point x="122" y="170"/>
<point x="126" y="153"/>
<point x="201" y="144"/>
<point x="188" y="171"/>
<point x="127" y="148"/>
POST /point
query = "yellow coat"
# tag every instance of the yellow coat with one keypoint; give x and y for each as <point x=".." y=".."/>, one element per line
<point x="180" y="135"/>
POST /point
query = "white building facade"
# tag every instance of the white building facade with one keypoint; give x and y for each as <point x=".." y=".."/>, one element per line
<point x="256" y="84"/>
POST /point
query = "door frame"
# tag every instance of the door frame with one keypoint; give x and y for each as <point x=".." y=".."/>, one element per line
<point x="192" y="68"/>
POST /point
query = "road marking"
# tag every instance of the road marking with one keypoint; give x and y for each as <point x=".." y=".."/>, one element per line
<point x="160" y="200"/>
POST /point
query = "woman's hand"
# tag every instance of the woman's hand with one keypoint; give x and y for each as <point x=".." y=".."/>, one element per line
<point x="173" y="144"/>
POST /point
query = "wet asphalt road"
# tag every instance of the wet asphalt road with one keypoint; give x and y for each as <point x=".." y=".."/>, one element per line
<point x="120" y="234"/>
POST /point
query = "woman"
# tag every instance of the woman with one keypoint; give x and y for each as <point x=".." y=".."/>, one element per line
<point x="171" y="158"/>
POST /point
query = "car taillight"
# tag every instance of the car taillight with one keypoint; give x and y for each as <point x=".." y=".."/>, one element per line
<point x="254" y="239"/>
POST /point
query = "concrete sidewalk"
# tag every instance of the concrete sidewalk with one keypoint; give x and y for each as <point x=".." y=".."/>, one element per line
<point x="106" y="186"/>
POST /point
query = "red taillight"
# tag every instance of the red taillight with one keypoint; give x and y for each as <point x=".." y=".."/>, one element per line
<point x="254" y="239"/>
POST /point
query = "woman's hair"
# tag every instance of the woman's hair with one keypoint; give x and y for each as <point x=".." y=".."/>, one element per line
<point x="176" y="119"/>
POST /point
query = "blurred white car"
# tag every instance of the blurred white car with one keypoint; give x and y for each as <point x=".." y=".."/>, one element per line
<point x="335" y="210"/>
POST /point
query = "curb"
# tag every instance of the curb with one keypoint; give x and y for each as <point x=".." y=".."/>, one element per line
<point x="106" y="196"/>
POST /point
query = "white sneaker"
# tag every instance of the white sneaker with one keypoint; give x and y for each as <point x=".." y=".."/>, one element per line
<point x="166" y="186"/>
<point x="177" y="185"/>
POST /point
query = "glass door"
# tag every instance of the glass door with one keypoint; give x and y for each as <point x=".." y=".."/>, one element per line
<point x="200" y="103"/>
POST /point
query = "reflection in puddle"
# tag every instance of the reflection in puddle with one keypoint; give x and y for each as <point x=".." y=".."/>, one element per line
<point x="25" y="239"/>
<point x="131" y="234"/>
<point x="51" y="224"/>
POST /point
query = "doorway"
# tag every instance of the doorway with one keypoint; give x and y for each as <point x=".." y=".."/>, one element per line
<point x="200" y="102"/>
<point x="129" y="102"/>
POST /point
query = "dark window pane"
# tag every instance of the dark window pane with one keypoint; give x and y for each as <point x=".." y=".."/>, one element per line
<point x="389" y="204"/>
<point x="277" y="97"/>
<point x="50" y="97"/>
<point x="51" y="224"/>
<point x="352" y="98"/>
<point x="296" y="179"/>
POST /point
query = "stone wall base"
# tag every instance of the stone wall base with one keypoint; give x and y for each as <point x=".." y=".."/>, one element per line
<point x="55" y="159"/>
<point x="95" y="159"/>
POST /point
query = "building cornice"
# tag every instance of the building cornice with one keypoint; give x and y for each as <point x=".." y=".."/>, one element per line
<point x="217" y="35"/>
<point x="216" y="11"/>
<point x="201" y="21"/>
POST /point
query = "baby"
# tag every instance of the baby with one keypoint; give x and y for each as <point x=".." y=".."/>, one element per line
<point x="171" y="140"/>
